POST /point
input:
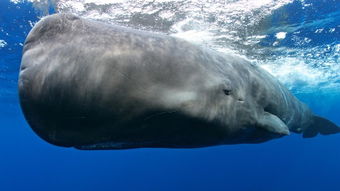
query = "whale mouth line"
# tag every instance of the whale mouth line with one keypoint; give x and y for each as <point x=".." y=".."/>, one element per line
<point x="108" y="146"/>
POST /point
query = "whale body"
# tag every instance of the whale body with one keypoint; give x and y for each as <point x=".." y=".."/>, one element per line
<point x="90" y="85"/>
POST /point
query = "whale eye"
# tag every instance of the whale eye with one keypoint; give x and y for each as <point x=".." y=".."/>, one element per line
<point x="227" y="91"/>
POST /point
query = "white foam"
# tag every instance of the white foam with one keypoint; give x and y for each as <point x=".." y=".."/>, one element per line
<point x="22" y="1"/>
<point x="102" y="2"/>
<point x="281" y="35"/>
<point x="3" y="43"/>
<point x="304" y="74"/>
<point x="15" y="1"/>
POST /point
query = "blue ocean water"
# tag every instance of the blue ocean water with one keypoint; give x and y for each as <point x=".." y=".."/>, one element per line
<point x="311" y="43"/>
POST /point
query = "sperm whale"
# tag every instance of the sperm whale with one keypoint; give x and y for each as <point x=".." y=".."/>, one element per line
<point x="90" y="85"/>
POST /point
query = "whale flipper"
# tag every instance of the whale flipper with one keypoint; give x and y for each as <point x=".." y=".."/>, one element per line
<point x="273" y="124"/>
<point x="322" y="126"/>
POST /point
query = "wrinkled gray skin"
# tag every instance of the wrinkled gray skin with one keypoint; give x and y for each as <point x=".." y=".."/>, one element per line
<point x="89" y="85"/>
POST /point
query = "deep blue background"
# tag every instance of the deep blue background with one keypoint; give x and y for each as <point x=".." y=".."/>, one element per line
<point x="29" y="163"/>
